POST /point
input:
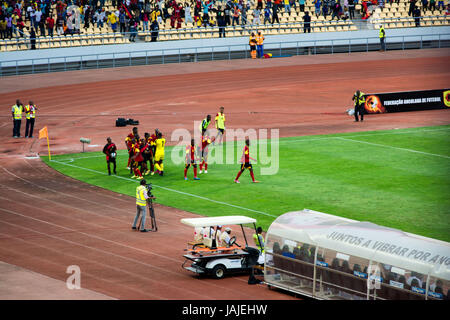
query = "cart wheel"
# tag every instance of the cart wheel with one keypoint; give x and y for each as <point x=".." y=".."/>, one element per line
<point x="219" y="271"/>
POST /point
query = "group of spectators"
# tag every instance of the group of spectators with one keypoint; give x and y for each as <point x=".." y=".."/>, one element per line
<point x="129" y="16"/>
<point x="68" y="16"/>
<point x="430" y="5"/>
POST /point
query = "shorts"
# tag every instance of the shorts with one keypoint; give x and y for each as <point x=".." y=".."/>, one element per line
<point x="246" y="165"/>
<point x="221" y="130"/>
<point x="159" y="157"/>
<point x="194" y="164"/>
<point x="147" y="156"/>
<point x="204" y="152"/>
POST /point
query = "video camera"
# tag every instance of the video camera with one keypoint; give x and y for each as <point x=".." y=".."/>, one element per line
<point x="149" y="187"/>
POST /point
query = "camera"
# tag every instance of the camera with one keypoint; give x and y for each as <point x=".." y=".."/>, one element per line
<point x="149" y="190"/>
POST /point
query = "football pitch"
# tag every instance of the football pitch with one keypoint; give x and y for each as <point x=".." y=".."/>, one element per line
<point x="395" y="178"/>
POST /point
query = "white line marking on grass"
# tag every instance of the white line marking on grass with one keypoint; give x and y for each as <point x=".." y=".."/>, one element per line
<point x="172" y="190"/>
<point x="392" y="147"/>
<point x="361" y="135"/>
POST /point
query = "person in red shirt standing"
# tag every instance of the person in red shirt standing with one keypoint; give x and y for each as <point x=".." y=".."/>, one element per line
<point x="50" y="25"/>
<point x="191" y="159"/>
<point x="110" y="150"/>
<point x="129" y="143"/>
<point x="206" y="141"/>
<point x="245" y="160"/>
<point x="136" y="159"/>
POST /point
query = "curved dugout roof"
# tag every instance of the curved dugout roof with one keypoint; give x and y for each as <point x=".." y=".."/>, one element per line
<point x="215" y="221"/>
<point x="367" y="240"/>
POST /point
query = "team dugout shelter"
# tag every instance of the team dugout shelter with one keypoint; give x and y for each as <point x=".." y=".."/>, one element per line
<point x="327" y="257"/>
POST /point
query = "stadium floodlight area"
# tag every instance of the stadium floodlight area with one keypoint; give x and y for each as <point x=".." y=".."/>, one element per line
<point x="328" y="257"/>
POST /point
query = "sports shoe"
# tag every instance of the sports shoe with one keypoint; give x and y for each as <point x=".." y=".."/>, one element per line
<point x="128" y="168"/>
<point x="133" y="177"/>
<point x="196" y="178"/>
<point x="236" y="181"/>
<point x="255" y="181"/>
<point x="200" y="172"/>
<point x="145" y="230"/>
<point x="146" y="172"/>
<point x="185" y="178"/>
<point x="206" y="171"/>
<point x="152" y="173"/>
<point x="134" y="228"/>
<point x="140" y="177"/>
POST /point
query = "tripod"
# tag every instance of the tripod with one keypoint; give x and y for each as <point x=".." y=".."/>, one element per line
<point x="151" y="212"/>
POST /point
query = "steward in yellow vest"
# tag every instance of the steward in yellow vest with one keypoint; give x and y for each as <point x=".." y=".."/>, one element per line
<point x="16" y="112"/>
<point x="141" y="205"/>
<point x="360" y="100"/>
<point x="30" y="114"/>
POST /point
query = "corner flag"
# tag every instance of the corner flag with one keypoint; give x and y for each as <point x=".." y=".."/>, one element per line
<point x="43" y="133"/>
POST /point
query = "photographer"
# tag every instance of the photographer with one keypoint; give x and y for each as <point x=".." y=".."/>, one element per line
<point x="110" y="150"/>
<point x="141" y="205"/>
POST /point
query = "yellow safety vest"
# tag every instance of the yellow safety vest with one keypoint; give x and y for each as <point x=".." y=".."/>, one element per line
<point x="17" y="112"/>
<point x="140" y="198"/>
<point x="30" y="112"/>
<point x="204" y="125"/>
<point x="360" y="99"/>
<point x="382" y="33"/>
<point x="259" y="39"/>
<point x="255" y="238"/>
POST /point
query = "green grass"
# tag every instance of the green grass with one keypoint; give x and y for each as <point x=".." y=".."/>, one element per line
<point x="381" y="180"/>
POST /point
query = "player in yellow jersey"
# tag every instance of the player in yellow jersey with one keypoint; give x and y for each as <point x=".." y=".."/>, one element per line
<point x="220" y="124"/>
<point x="159" y="153"/>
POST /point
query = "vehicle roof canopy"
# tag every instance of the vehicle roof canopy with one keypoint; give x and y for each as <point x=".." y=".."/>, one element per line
<point x="215" y="221"/>
<point x="367" y="240"/>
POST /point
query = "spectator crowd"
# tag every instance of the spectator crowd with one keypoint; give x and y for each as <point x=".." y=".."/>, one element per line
<point x="63" y="17"/>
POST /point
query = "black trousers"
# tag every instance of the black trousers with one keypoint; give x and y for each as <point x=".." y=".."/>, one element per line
<point x="221" y="32"/>
<point x="359" y="109"/>
<point x="113" y="161"/>
<point x="29" y="125"/>
<point x="16" y="128"/>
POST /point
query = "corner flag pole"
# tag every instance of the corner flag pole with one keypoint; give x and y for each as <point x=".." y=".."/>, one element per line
<point x="43" y="133"/>
<point x="48" y="147"/>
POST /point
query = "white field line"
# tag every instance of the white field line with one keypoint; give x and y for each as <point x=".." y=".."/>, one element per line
<point x="72" y="159"/>
<point x="171" y="190"/>
<point x="392" y="147"/>
<point x="363" y="135"/>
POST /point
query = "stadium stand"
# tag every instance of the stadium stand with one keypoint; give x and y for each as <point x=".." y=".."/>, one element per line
<point x="85" y="23"/>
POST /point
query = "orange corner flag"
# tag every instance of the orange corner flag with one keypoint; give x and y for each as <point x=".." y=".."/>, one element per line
<point x="43" y="133"/>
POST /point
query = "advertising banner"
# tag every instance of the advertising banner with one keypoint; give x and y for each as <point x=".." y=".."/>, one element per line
<point x="407" y="101"/>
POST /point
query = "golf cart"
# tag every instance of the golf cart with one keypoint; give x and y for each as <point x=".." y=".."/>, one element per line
<point x="205" y="257"/>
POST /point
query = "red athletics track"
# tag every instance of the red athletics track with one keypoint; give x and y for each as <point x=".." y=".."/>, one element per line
<point x="49" y="221"/>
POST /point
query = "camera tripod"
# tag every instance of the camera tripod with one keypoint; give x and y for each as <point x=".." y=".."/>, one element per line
<point x="151" y="213"/>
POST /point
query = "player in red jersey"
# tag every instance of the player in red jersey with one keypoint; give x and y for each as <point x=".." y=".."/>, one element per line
<point x="191" y="159"/>
<point x="136" y="159"/>
<point x="206" y="141"/>
<point x="148" y="155"/>
<point x="245" y="160"/>
<point x="129" y="143"/>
